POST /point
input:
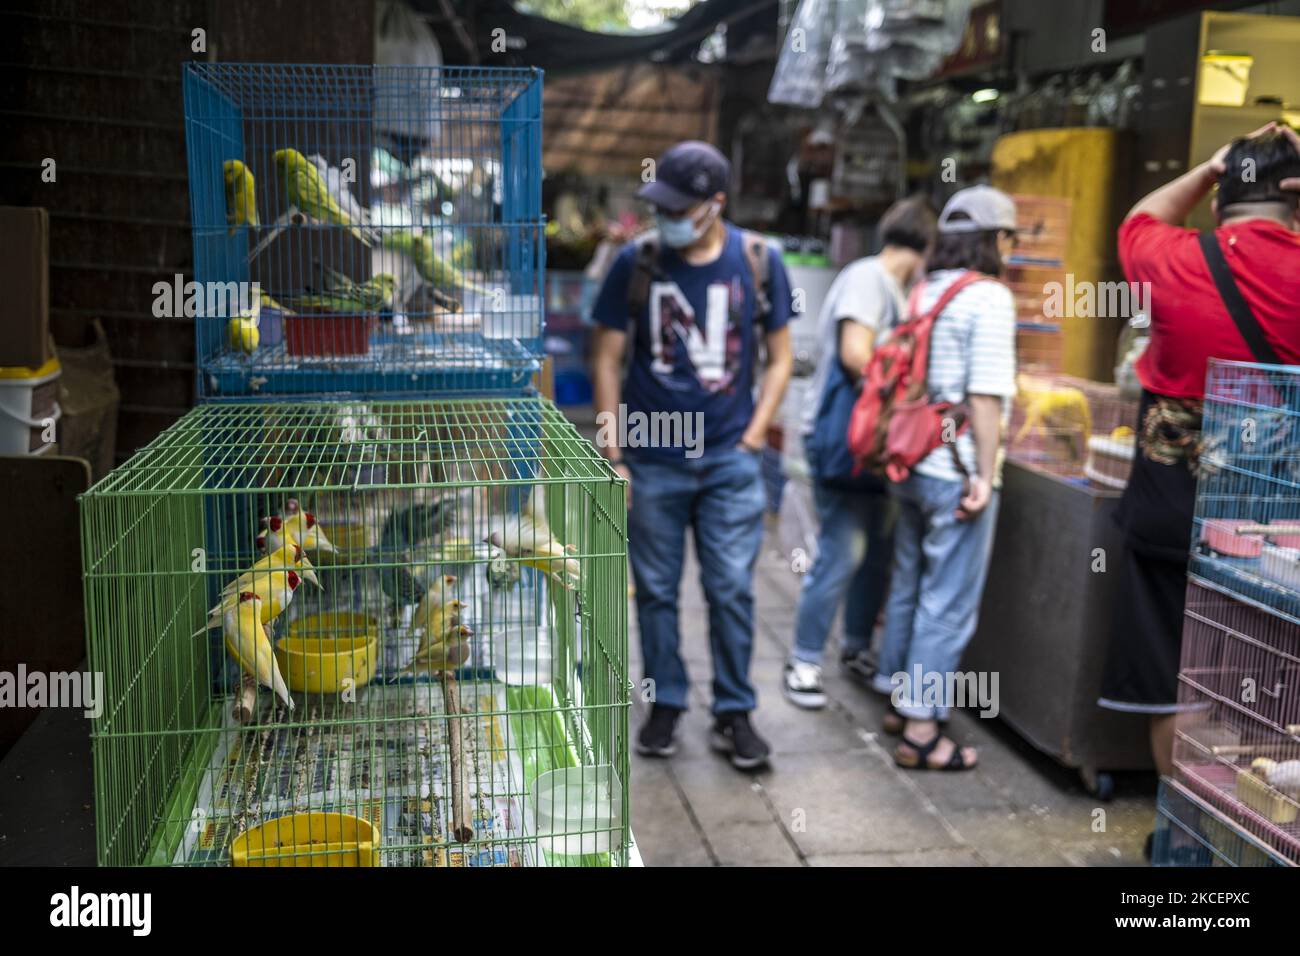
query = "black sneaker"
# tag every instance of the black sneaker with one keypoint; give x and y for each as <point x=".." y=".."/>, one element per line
<point x="656" y="736"/>
<point x="860" y="665"/>
<point x="734" y="735"/>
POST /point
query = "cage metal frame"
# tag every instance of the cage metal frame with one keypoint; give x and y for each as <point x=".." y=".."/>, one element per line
<point x="204" y="483"/>
<point x="479" y="122"/>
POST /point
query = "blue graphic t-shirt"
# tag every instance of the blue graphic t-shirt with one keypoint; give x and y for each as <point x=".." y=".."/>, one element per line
<point x="696" y="340"/>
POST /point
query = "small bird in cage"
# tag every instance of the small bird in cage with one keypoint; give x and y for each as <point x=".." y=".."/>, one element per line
<point x="241" y="195"/>
<point x="274" y="589"/>
<point x="437" y="623"/>
<point x="431" y="267"/>
<point x="449" y="652"/>
<point x="527" y="537"/>
<point x="248" y="644"/>
<point x="305" y="189"/>
<point x="294" y="526"/>
<point x="1282" y="775"/>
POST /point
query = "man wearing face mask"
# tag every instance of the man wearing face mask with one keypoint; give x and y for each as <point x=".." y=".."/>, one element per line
<point x="684" y="310"/>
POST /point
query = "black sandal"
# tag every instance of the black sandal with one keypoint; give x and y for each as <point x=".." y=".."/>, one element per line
<point x="893" y="723"/>
<point x="956" y="762"/>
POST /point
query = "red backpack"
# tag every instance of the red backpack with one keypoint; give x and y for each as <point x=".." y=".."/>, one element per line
<point x="894" y="423"/>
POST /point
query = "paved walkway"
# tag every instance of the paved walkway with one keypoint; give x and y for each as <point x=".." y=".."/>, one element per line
<point x="834" y="797"/>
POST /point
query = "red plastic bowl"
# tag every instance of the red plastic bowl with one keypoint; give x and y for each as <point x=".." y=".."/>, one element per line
<point x="326" y="335"/>
<point x="1222" y="537"/>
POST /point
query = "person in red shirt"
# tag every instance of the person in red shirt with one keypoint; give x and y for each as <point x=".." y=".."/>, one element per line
<point x="1258" y="186"/>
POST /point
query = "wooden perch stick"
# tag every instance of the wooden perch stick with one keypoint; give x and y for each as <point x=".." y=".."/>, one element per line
<point x="245" y="705"/>
<point x="462" y="815"/>
<point x="1270" y="529"/>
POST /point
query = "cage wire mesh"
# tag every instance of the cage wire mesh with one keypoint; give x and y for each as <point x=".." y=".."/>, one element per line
<point x="370" y="230"/>
<point x="1238" y="738"/>
<point x="351" y="633"/>
<point x="1072" y="427"/>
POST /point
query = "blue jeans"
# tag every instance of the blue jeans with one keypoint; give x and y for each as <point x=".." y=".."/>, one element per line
<point x="854" y="550"/>
<point x="934" y="597"/>
<point x="720" y="496"/>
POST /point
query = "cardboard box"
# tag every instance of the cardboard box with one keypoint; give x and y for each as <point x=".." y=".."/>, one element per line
<point x="25" y="286"/>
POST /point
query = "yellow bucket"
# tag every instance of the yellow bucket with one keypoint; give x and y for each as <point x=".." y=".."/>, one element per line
<point x="321" y="651"/>
<point x="308" y="839"/>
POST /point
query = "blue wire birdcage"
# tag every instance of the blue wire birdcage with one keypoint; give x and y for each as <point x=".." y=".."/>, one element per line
<point x="1237" y="742"/>
<point x="368" y="230"/>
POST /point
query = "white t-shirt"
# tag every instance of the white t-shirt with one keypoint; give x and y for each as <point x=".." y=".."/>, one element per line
<point x="864" y="293"/>
<point x="972" y="352"/>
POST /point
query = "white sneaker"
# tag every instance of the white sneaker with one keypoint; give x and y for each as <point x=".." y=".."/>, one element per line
<point x="803" y="685"/>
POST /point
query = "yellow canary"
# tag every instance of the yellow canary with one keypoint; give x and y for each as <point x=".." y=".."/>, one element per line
<point x="304" y="188"/>
<point x="248" y="644"/>
<point x="241" y="196"/>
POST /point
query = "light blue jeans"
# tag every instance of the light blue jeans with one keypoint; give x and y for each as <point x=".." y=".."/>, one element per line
<point x="720" y="497"/>
<point x="854" y="551"/>
<point x="934" y="595"/>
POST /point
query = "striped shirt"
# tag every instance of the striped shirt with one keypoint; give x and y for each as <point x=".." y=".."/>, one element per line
<point x="972" y="352"/>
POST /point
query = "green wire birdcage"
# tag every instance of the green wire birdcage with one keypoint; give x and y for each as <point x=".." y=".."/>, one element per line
<point x="443" y="586"/>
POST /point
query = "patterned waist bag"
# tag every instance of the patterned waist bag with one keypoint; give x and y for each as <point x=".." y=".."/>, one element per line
<point x="1171" y="432"/>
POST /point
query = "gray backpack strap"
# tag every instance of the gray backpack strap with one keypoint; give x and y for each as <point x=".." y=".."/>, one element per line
<point x="645" y="268"/>
<point x="759" y="256"/>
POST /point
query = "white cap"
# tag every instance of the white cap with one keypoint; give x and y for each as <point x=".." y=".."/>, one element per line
<point x="986" y="209"/>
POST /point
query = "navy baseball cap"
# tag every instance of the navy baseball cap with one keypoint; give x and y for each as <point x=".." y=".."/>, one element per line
<point x="685" y="174"/>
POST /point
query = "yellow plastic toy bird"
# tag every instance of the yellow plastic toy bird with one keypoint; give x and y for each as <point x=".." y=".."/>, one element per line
<point x="1058" y="412"/>
<point x="241" y="195"/>
<point x="304" y="188"/>
<point x="528" y="538"/>
<point x="247" y="643"/>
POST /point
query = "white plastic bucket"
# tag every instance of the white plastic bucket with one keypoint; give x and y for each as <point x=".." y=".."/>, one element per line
<point x="28" y="404"/>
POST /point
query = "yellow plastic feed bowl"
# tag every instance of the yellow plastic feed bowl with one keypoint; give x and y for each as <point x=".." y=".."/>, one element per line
<point x="308" y="839"/>
<point x="321" y="651"/>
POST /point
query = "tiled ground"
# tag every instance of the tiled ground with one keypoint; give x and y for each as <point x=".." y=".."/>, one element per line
<point x="833" y="796"/>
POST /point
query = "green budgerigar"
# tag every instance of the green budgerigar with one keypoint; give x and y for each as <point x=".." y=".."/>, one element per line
<point x="304" y="187"/>
<point x="431" y="267"/>
<point x="241" y="197"/>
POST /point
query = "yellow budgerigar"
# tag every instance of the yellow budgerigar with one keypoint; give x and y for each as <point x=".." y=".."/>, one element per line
<point x="241" y="195"/>
<point x="248" y="644"/>
<point x="304" y="188"/>
<point x="430" y="266"/>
